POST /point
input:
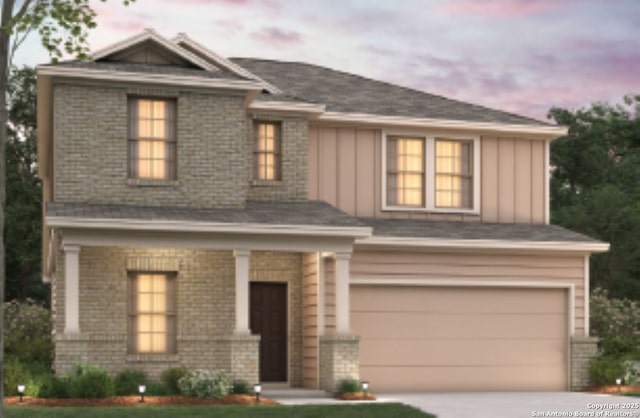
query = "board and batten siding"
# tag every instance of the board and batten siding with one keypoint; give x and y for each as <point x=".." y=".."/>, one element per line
<point x="481" y="267"/>
<point x="345" y="170"/>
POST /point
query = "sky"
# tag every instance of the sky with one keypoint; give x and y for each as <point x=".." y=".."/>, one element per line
<point x="520" y="56"/>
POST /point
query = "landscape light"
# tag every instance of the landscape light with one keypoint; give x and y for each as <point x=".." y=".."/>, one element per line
<point x="21" y="388"/>
<point x="365" y="387"/>
<point x="142" y="389"/>
<point x="257" y="388"/>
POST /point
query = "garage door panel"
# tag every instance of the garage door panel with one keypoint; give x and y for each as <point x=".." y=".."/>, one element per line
<point x="407" y="325"/>
<point x="460" y="379"/>
<point x="462" y="352"/>
<point x="461" y="338"/>
<point x="468" y="300"/>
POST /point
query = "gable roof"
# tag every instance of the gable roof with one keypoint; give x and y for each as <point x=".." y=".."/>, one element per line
<point x="350" y="93"/>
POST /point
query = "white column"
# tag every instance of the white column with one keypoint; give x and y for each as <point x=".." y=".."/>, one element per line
<point x="342" y="293"/>
<point x="242" y="291"/>
<point x="72" y="289"/>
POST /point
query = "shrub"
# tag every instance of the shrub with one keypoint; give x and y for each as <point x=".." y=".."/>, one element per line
<point x="205" y="384"/>
<point x="127" y="381"/>
<point x="14" y="373"/>
<point x="54" y="387"/>
<point x="89" y="381"/>
<point x="170" y="378"/>
<point x="604" y="370"/>
<point x="349" y="386"/>
<point x="157" y="389"/>
<point x="27" y="332"/>
<point x="631" y="372"/>
<point x="240" y="387"/>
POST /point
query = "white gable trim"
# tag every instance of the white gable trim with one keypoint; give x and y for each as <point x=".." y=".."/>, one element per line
<point x="311" y="108"/>
<point x="182" y="38"/>
<point x="152" y="35"/>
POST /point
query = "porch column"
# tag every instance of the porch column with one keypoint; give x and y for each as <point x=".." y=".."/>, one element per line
<point x="242" y="291"/>
<point x="342" y="293"/>
<point x="72" y="289"/>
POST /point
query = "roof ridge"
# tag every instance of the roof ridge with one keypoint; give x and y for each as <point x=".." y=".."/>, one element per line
<point x="387" y="83"/>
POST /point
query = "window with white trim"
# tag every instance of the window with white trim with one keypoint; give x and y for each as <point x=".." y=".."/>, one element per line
<point x="152" y="139"/>
<point x="266" y="153"/>
<point x="152" y="313"/>
<point x="431" y="173"/>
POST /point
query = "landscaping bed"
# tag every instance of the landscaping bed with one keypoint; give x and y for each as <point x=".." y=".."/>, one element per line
<point x="356" y="396"/>
<point x="614" y="389"/>
<point x="135" y="401"/>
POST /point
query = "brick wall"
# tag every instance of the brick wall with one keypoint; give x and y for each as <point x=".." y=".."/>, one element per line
<point x="294" y="153"/>
<point x="339" y="360"/>
<point x="583" y="350"/>
<point x="90" y="148"/>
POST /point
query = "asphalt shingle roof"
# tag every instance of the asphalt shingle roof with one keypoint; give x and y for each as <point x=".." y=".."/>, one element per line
<point x="273" y="213"/>
<point x="412" y="228"/>
<point x="344" y="92"/>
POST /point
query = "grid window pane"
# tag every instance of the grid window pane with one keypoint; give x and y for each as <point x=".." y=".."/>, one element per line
<point x="152" y="139"/>
<point x="266" y="155"/>
<point x="405" y="171"/>
<point x="454" y="174"/>
<point x="152" y="323"/>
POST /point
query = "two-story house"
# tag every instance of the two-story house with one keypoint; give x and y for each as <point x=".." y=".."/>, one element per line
<point x="290" y="223"/>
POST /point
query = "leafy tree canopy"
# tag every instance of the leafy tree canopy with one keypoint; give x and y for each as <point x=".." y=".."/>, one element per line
<point x="595" y="188"/>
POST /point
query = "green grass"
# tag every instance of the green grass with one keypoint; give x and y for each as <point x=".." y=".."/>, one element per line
<point x="382" y="410"/>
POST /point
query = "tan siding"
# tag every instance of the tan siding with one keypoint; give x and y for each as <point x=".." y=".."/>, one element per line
<point x="523" y="181"/>
<point x="365" y="173"/>
<point x="489" y="189"/>
<point x="346" y="161"/>
<point x="537" y="181"/>
<point x="314" y="166"/>
<point x="329" y="296"/>
<point x="506" y="183"/>
<point x="487" y="267"/>
<point x="310" y="321"/>
<point x="328" y="168"/>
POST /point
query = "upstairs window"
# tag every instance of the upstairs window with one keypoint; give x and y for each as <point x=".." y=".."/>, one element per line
<point x="152" y="139"/>
<point x="454" y="174"/>
<point x="266" y="152"/>
<point x="405" y="171"/>
<point x="429" y="173"/>
<point x="152" y="316"/>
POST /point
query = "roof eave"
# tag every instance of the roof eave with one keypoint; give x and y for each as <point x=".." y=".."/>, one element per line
<point x="206" y="227"/>
<point x="546" y="131"/>
<point x="485" y="244"/>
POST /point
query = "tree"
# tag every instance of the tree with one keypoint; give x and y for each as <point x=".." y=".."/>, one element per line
<point x="595" y="188"/>
<point x="63" y="26"/>
<point x="23" y="226"/>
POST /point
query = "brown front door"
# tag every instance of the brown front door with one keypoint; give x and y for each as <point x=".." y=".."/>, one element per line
<point x="269" y="320"/>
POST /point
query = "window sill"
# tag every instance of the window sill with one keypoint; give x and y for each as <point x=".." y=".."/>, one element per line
<point x="152" y="183"/>
<point x="453" y="211"/>
<point x="265" y="183"/>
<point x="153" y="358"/>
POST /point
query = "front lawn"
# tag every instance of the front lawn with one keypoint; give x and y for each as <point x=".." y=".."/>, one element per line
<point x="380" y="410"/>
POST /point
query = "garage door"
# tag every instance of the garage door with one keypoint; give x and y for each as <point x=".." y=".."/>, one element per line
<point x="461" y="339"/>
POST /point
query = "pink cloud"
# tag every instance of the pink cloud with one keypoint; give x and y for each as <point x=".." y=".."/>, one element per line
<point x="277" y="37"/>
<point x="205" y="2"/>
<point x="498" y="8"/>
<point x="228" y="26"/>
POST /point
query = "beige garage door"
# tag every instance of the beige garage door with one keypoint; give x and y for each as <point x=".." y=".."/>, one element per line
<point x="461" y="339"/>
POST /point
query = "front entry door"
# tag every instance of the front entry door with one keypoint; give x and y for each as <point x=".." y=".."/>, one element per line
<point x="269" y="320"/>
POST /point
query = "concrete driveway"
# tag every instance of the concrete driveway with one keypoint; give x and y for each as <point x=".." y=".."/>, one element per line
<point x="519" y="404"/>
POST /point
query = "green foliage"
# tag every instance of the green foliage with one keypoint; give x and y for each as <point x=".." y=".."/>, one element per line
<point x="616" y="322"/>
<point x="349" y="386"/>
<point x="89" y="381"/>
<point x="53" y="387"/>
<point x="27" y="332"/>
<point x="604" y="370"/>
<point x="126" y="382"/>
<point x="205" y="384"/>
<point x="595" y="188"/>
<point x="14" y="373"/>
<point x="170" y="378"/>
<point x="631" y="372"/>
<point x="240" y="387"/>
<point x="157" y="389"/>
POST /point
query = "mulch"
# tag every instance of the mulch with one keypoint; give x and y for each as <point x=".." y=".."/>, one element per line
<point x="135" y="401"/>
<point x="613" y="389"/>
<point x="356" y="396"/>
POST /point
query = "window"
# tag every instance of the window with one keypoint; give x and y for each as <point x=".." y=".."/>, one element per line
<point x="454" y="174"/>
<point x="152" y="139"/>
<point x="405" y="171"/>
<point x="428" y="173"/>
<point x="152" y="318"/>
<point x="266" y="154"/>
